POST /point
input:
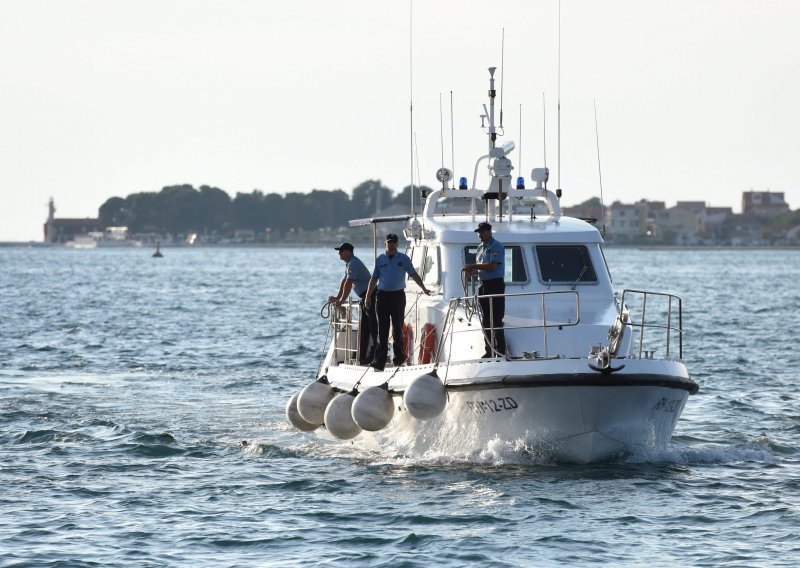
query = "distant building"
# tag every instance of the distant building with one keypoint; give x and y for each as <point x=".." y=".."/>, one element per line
<point x="686" y="221"/>
<point x="651" y="229"/>
<point x="64" y="230"/>
<point x="718" y="224"/>
<point x="763" y="203"/>
<point x="626" y="221"/>
<point x="745" y="230"/>
<point x="585" y="211"/>
<point x="792" y="236"/>
<point x="716" y="215"/>
<point x="696" y="223"/>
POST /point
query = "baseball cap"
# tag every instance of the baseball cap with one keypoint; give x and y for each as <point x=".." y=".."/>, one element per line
<point x="483" y="227"/>
<point x="391" y="238"/>
<point x="344" y="246"/>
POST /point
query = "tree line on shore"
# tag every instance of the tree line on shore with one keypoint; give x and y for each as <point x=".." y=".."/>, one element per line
<point x="182" y="209"/>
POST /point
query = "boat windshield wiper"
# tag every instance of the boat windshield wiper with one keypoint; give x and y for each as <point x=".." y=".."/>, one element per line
<point x="583" y="271"/>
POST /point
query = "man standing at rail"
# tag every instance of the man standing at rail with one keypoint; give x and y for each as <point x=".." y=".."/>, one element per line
<point x="490" y="268"/>
<point x="389" y="277"/>
<point x="356" y="278"/>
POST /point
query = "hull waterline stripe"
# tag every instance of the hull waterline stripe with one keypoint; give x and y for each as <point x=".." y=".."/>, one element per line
<point x="579" y="380"/>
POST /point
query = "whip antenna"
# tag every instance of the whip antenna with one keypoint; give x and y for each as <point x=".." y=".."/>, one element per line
<point x="544" y="130"/>
<point x="452" y="144"/>
<point x="559" y="95"/>
<point x="411" y="95"/>
<point x="419" y="178"/>
<point x="599" y="171"/>
<point x="520" y="138"/>
<point x="441" y="129"/>
<point x="502" y="73"/>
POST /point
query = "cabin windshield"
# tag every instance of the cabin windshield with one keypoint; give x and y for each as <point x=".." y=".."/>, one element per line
<point x="451" y="205"/>
<point x="564" y="264"/>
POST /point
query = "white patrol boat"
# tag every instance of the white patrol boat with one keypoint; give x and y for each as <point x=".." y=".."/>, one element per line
<point x="587" y="375"/>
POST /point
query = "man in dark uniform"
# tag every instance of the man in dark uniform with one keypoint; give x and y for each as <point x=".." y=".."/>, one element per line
<point x="490" y="268"/>
<point x="389" y="277"/>
<point x="356" y="278"/>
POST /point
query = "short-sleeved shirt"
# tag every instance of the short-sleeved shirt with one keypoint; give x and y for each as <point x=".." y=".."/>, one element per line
<point x="358" y="273"/>
<point x="493" y="251"/>
<point x="391" y="271"/>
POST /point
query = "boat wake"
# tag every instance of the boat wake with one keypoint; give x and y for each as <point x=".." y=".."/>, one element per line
<point x="518" y="452"/>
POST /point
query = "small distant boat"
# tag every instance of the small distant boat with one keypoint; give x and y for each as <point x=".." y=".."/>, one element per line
<point x="111" y="237"/>
<point x="586" y="375"/>
<point x="116" y="237"/>
<point x="158" y="254"/>
<point x="82" y="242"/>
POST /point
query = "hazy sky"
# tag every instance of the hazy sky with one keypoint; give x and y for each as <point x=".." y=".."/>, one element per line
<point x="696" y="99"/>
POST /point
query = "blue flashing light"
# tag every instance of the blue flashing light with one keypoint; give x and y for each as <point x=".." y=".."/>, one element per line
<point x="520" y="182"/>
<point x="462" y="183"/>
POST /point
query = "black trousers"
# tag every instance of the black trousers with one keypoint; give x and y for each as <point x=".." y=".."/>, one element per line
<point x="368" y="331"/>
<point x="493" y="310"/>
<point x="390" y="308"/>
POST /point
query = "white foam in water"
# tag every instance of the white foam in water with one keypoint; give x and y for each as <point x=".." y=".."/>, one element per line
<point x="519" y="452"/>
<point x="377" y="450"/>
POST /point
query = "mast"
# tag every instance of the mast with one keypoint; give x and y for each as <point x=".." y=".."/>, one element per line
<point x="492" y="95"/>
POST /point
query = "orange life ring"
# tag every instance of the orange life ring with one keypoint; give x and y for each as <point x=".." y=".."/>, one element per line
<point x="408" y="343"/>
<point x="427" y="343"/>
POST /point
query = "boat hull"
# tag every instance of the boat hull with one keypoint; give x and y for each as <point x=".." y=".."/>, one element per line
<point x="573" y="423"/>
<point x="563" y="411"/>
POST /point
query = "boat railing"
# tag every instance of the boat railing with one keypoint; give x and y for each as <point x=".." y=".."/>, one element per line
<point x="344" y="323"/>
<point x="550" y="309"/>
<point x="657" y="315"/>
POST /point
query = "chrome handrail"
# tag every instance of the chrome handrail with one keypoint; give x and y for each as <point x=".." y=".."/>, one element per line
<point x="455" y="302"/>
<point x="346" y="323"/>
<point x="642" y="323"/>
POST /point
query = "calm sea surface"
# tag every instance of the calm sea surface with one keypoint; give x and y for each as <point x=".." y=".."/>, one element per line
<point x="141" y="424"/>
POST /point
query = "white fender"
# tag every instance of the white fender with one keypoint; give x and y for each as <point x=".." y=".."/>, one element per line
<point x="294" y="418"/>
<point x="314" y="399"/>
<point x="373" y="409"/>
<point x="338" y="418"/>
<point x="426" y="397"/>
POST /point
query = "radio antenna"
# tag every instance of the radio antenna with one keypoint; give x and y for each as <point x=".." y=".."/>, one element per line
<point x="411" y="95"/>
<point x="452" y="145"/>
<point x="520" y="138"/>
<point x="544" y="131"/>
<point x="559" y="95"/>
<point x="419" y="178"/>
<point x="441" y="129"/>
<point x="502" y="73"/>
<point x="599" y="171"/>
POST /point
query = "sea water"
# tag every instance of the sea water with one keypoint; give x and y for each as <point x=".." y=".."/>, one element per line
<point x="142" y="424"/>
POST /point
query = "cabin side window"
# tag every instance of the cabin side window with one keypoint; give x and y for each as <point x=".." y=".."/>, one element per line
<point x="564" y="264"/>
<point x="425" y="261"/>
<point x="515" y="272"/>
<point x="430" y="269"/>
<point x="605" y="262"/>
